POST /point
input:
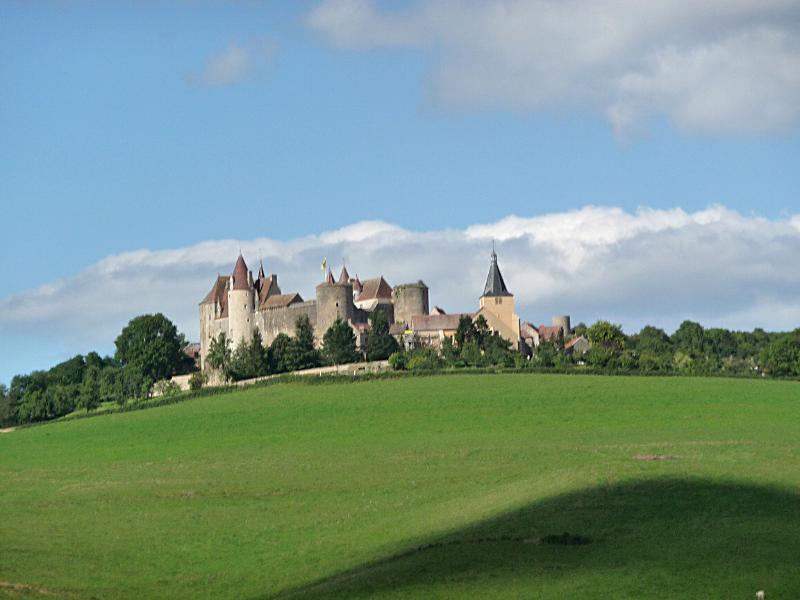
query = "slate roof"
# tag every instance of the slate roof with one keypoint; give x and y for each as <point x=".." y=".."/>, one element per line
<point x="344" y="276"/>
<point x="495" y="286"/>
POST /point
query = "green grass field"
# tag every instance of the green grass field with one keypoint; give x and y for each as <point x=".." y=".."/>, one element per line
<point x="442" y="486"/>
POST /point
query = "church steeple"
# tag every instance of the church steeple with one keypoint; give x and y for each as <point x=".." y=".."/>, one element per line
<point x="495" y="286"/>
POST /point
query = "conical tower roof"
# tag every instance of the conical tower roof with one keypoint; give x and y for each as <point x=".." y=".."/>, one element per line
<point x="344" y="276"/>
<point x="240" y="274"/>
<point x="329" y="277"/>
<point x="495" y="286"/>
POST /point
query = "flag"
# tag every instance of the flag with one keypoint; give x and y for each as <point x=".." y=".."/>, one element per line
<point x="324" y="265"/>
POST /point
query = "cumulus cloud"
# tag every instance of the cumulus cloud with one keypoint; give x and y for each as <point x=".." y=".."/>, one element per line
<point x="650" y="266"/>
<point x="234" y="64"/>
<point x="719" y="66"/>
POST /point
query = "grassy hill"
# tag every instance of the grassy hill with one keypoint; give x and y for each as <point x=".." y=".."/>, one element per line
<point x="450" y="486"/>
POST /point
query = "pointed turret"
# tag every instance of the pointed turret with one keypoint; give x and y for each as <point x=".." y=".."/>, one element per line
<point x="495" y="286"/>
<point x="344" y="276"/>
<point x="261" y="274"/>
<point x="240" y="275"/>
<point x="329" y="277"/>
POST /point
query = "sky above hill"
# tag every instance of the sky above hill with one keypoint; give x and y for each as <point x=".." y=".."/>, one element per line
<point x="638" y="161"/>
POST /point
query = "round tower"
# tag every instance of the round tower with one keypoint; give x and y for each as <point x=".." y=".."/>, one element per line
<point x="563" y="322"/>
<point x="409" y="299"/>
<point x="334" y="300"/>
<point x="241" y="304"/>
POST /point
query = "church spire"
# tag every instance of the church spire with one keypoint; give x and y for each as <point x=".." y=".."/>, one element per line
<point x="495" y="285"/>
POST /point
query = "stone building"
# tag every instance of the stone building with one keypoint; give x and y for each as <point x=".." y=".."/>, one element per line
<point x="239" y="304"/>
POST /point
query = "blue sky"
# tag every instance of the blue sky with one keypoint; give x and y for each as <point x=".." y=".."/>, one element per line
<point x="120" y="132"/>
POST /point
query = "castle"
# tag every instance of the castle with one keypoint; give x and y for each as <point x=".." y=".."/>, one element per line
<point x="239" y="304"/>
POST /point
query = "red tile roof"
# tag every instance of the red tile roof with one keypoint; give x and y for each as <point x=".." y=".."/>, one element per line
<point x="240" y="281"/>
<point x="373" y="289"/>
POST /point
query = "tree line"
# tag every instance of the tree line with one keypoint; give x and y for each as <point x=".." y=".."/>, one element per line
<point x="690" y="350"/>
<point x="148" y="349"/>
<point x="252" y="358"/>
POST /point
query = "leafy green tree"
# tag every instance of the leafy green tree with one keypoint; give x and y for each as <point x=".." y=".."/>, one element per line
<point x="471" y="354"/>
<point x="545" y="355"/>
<point x="425" y="359"/>
<point x="107" y="387"/>
<point x="250" y="359"/>
<point x="688" y="338"/>
<point x="301" y="352"/>
<point x="279" y="354"/>
<point x="607" y="336"/>
<point x="782" y="356"/>
<point x="450" y="353"/>
<point x="399" y="361"/>
<point x="654" y="340"/>
<point x="339" y="343"/>
<point x="62" y="398"/>
<point x="466" y="331"/>
<point x="89" y="397"/>
<point x="482" y="331"/>
<point x="219" y="354"/>
<point x="152" y="344"/>
<point x="719" y="343"/>
<point x="580" y="329"/>
<point x="197" y="380"/>
<point x="497" y="351"/>
<point x="5" y="405"/>
<point x="380" y="343"/>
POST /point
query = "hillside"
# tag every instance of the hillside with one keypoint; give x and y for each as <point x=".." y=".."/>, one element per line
<point x="448" y="486"/>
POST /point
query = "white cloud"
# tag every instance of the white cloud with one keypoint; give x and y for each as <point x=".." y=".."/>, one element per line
<point x="234" y="64"/>
<point x="651" y="266"/>
<point x="721" y="66"/>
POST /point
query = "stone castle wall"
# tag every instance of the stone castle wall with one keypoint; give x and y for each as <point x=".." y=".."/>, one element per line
<point x="272" y="322"/>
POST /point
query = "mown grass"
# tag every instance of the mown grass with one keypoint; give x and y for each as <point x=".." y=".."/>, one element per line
<point x="419" y="487"/>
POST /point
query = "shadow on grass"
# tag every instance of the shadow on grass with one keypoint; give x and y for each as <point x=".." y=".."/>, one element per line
<point x="663" y="538"/>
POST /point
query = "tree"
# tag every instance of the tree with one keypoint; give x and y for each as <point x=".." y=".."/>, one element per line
<point x="654" y="340"/>
<point x="301" y="352"/>
<point x="607" y="336"/>
<point x="152" y="344"/>
<point x="465" y="331"/>
<point x="197" y="380"/>
<point x="219" y="354"/>
<point x="688" y="338"/>
<point x="339" y="343"/>
<point x="482" y="331"/>
<point x="782" y="356"/>
<point x="580" y="329"/>
<point x="278" y="354"/>
<point x="108" y="384"/>
<point x="250" y="359"/>
<point x="380" y="343"/>
<point x="720" y="343"/>
<point x="89" y="397"/>
<point x="5" y="405"/>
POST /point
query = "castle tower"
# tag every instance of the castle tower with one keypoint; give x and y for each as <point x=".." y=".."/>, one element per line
<point x="497" y="305"/>
<point x="334" y="300"/>
<point x="409" y="299"/>
<point x="241" y="304"/>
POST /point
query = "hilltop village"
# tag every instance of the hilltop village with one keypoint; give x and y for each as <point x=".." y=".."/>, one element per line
<point x="239" y="304"/>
